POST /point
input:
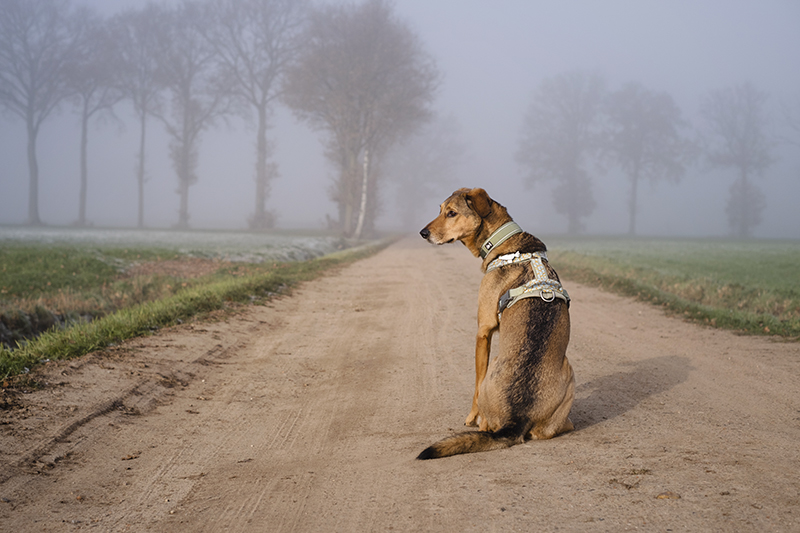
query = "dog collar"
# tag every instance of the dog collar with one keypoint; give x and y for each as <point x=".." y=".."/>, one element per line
<point x="495" y="239"/>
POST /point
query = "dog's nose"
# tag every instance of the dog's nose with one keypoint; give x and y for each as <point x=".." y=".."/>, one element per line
<point x="425" y="233"/>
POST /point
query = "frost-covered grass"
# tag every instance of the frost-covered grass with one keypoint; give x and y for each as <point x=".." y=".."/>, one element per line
<point x="228" y="245"/>
<point x="215" y="292"/>
<point x="748" y="285"/>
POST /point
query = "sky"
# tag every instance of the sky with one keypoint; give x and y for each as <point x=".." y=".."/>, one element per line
<point x="491" y="56"/>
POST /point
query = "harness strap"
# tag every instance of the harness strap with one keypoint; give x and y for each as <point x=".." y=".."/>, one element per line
<point x="495" y="239"/>
<point x="546" y="291"/>
<point x="542" y="285"/>
<point x="516" y="257"/>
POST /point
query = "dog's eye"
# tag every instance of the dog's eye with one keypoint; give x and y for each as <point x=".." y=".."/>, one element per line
<point x="451" y="214"/>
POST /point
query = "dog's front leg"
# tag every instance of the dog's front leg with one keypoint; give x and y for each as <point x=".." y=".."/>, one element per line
<point x="487" y="325"/>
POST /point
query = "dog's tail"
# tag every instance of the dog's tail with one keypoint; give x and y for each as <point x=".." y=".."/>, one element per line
<point x="476" y="441"/>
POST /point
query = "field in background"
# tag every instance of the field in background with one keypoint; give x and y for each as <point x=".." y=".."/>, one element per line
<point x="751" y="286"/>
<point x="53" y="280"/>
<point x="90" y="288"/>
<point x="228" y="245"/>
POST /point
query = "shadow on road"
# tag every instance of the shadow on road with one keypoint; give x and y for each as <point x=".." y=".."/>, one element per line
<point x="607" y="397"/>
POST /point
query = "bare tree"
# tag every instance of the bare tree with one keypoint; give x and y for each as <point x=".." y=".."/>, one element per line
<point x="644" y="139"/>
<point x="364" y="79"/>
<point x="90" y="75"/>
<point x="560" y="132"/>
<point x="424" y="166"/>
<point x="255" y="40"/>
<point x="198" y="94"/>
<point x="38" y="39"/>
<point x="136" y="33"/>
<point x="737" y="138"/>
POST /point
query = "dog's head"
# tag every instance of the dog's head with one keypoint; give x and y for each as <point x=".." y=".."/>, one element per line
<point x="462" y="218"/>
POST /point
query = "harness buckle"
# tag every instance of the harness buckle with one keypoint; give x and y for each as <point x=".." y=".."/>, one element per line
<point x="551" y="293"/>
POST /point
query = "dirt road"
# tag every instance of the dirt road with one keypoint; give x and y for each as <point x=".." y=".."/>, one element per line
<point x="306" y="415"/>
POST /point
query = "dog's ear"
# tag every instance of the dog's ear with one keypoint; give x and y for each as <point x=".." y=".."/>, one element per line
<point x="479" y="201"/>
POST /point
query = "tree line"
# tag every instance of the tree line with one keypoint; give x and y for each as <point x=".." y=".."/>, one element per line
<point x="359" y="75"/>
<point x="355" y="72"/>
<point x="575" y="127"/>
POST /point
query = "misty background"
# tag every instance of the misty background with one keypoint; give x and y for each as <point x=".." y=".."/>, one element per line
<point x="491" y="59"/>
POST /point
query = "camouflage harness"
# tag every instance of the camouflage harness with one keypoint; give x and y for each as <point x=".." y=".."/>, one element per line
<point x="542" y="285"/>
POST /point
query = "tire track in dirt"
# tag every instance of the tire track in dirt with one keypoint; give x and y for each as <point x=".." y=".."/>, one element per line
<point x="335" y="407"/>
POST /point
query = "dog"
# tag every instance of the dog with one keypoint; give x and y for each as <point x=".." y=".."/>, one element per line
<point x="527" y="390"/>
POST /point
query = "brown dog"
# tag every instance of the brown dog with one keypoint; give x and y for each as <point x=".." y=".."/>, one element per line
<point x="527" y="390"/>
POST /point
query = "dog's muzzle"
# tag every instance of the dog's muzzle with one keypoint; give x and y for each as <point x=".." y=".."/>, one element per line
<point x="425" y="232"/>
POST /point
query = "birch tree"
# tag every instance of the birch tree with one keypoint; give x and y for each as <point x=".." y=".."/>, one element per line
<point x="362" y="78"/>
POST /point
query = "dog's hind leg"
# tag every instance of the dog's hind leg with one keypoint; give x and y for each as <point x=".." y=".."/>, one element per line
<point x="559" y="421"/>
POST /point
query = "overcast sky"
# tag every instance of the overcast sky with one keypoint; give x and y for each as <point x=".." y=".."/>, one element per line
<point x="491" y="55"/>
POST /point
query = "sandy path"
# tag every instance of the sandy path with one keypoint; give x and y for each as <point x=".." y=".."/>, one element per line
<point x="306" y="415"/>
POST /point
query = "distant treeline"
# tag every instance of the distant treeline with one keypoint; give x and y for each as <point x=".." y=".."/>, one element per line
<point x="360" y="76"/>
<point x="354" y="72"/>
<point x="575" y="124"/>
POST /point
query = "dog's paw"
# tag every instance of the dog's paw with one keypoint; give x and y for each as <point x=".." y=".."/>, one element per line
<point x="472" y="420"/>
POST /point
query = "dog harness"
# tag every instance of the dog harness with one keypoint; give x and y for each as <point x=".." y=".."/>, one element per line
<point x="542" y="285"/>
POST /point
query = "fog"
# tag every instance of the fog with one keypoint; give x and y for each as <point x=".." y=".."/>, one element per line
<point x="491" y="57"/>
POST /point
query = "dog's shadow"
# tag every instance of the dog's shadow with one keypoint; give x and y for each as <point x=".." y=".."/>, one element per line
<point x="608" y="397"/>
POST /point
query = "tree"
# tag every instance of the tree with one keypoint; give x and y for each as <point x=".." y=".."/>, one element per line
<point x="38" y="39"/>
<point x="423" y="165"/>
<point x="560" y="132"/>
<point x="737" y="138"/>
<point x="90" y="75"/>
<point x="137" y="53"/>
<point x="792" y="120"/>
<point x="198" y="94"/>
<point x="644" y="139"/>
<point x="255" y="40"/>
<point x="363" y="78"/>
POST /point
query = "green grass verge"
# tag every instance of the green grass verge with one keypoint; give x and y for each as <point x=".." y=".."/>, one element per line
<point x="749" y="286"/>
<point x="35" y="271"/>
<point x="144" y="318"/>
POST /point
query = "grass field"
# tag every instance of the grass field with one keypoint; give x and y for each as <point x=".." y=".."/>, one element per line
<point x="66" y="292"/>
<point x="87" y="293"/>
<point x="751" y="286"/>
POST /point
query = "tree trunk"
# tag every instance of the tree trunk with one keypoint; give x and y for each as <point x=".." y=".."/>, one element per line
<point x="184" y="176"/>
<point x="349" y="177"/>
<point x="744" y="216"/>
<point x="140" y="169"/>
<point x="573" y="224"/>
<point x="632" y="201"/>
<point x="84" y="167"/>
<point x="260" y="216"/>
<point x="183" y="213"/>
<point x="363" y="208"/>
<point x="33" y="171"/>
